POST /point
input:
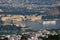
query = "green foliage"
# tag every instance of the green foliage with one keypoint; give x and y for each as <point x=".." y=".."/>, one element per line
<point x="52" y="37"/>
<point x="5" y="39"/>
<point x="24" y="37"/>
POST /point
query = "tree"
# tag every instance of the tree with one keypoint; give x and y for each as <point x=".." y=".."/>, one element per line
<point x="24" y="37"/>
<point x="6" y="38"/>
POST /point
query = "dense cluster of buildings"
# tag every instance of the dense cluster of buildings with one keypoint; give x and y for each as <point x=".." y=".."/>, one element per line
<point x="14" y="19"/>
<point x="32" y="35"/>
<point x="48" y="15"/>
<point x="18" y="20"/>
<point x="23" y="3"/>
<point x="31" y="1"/>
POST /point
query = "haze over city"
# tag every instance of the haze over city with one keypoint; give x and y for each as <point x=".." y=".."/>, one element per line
<point x="38" y="19"/>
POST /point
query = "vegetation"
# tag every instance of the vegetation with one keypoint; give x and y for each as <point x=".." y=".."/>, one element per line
<point x="24" y="37"/>
<point x="51" y="37"/>
<point x="5" y="39"/>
